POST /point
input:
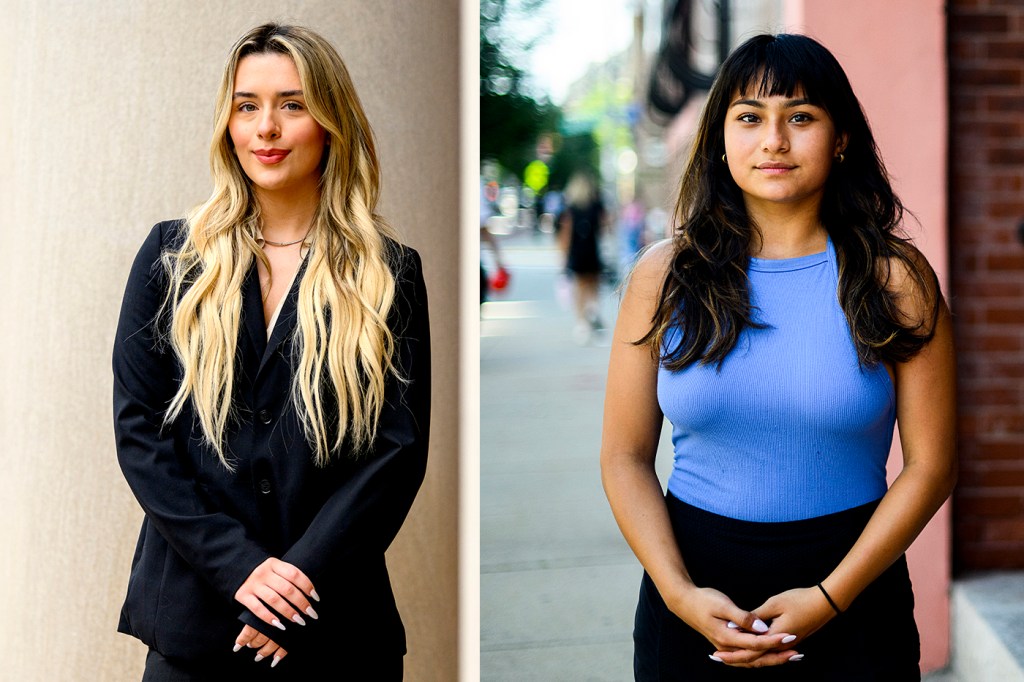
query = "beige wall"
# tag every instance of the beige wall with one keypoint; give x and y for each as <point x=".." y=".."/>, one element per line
<point x="895" y="56"/>
<point x="104" y="128"/>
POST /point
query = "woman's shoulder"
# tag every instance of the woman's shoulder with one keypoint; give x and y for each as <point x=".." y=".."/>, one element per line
<point x="653" y="265"/>
<point x="166" y="235"/>
<point x="403" y="259"/>
<point x="910" y="279"/>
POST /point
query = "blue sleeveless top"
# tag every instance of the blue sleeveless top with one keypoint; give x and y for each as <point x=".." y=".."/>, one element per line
<point x="792" y="426"/>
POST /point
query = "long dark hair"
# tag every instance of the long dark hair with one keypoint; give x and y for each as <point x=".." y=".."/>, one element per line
<point x="706" y="291"/>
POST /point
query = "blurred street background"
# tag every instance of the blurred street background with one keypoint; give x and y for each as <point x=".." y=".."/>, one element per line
<point x="558" y="582"/>
<point x="610" y="91"/>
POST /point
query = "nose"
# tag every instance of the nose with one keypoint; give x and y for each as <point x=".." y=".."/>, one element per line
<point x="775" y="137"/>
<point x="268" y="127"/>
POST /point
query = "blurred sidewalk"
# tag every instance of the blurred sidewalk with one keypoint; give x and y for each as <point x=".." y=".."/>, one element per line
<point x="558" y="582"/>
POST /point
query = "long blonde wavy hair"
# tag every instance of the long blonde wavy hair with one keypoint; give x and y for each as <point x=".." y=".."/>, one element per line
<point x="343" y="346"/>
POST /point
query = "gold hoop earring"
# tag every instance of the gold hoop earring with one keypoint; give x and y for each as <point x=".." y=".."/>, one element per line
<point x="840" y="158"/>
<point x="723" y="158"/>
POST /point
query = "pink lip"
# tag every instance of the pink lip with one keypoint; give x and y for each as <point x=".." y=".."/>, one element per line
<point x="774" y="167"/>
<point x="271" y="156"/>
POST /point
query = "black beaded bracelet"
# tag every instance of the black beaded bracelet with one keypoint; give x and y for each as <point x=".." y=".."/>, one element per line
<point x="831" y="603"/>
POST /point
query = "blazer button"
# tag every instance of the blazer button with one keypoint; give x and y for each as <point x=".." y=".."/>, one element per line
<point x="265" y="486"/>
<point x="264" y="416"/>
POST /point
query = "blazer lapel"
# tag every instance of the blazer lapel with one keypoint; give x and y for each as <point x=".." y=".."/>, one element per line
<point x="286" y="318"/>
<point x="252" y="311"/>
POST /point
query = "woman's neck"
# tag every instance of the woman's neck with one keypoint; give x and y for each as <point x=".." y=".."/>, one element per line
<point x="786" y="231"/>
<point x="286" y="219"/>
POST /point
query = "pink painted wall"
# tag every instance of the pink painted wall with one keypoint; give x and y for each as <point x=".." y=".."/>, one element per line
<point x="895" y="56"/>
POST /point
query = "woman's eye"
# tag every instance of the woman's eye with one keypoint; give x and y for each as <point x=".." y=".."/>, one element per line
<point x="293" y="106"/>
<point x="247" y="107"/>
<point x="801" y="118"/>
<point x="748" y="118"/>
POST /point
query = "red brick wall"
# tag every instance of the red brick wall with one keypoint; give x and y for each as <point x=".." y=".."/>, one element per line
<point x="986" y="52"/>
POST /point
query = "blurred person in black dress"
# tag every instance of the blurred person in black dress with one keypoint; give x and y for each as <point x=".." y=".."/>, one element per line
<point x="579" y="236"/>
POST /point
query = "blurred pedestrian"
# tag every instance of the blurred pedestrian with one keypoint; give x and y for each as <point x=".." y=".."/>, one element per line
<point x="579" y="233"/>
<point x="497" y="278"/>
<point x="632" y="226"/>
<point x="271" y="390"/>
<point x="783" y="331"/>
<point x="552" y="209"/>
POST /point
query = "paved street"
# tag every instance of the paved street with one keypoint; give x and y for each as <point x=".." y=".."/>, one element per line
<point x="558" y="582"/>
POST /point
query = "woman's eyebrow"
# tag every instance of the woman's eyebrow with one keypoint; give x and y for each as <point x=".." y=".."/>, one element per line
<point x="283" y="93"/>
<point x="758" y="104"/>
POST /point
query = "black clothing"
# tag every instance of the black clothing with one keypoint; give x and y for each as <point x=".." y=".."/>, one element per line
<point x="584" y="238"/>
<point x="875" y="639"/>
<point x="207" y="528"/>
<point x="243" y="666"/>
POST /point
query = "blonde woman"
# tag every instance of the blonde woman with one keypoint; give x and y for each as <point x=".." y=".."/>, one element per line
<point x="271" y="389"/>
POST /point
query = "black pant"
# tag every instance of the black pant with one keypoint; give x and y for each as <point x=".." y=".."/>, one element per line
<point x="876" y="638"/>
<point x="241" y="667"/>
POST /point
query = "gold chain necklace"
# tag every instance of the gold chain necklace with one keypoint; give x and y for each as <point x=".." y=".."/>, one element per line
<point x="270" y="243"/>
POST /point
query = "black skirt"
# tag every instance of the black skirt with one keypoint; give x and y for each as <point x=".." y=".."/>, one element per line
<point x="876" y="638"/>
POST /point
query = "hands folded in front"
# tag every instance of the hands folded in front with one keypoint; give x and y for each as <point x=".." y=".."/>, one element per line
<point x="280" y="586"/>
<point x="763" y="637"/>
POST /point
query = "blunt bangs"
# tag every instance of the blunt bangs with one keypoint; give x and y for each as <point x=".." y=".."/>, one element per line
<point x="768" y="66"/>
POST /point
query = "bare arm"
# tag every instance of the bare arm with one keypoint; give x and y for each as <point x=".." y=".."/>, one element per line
<point x="632" y="423"/>
<point x="487" y="237"/>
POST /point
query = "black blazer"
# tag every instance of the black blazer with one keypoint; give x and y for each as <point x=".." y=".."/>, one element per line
<point x="206" y="529"/>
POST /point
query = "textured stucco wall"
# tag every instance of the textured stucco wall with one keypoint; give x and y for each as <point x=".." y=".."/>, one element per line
<point x="895" y="56"/>
<point x="104" y="130"/>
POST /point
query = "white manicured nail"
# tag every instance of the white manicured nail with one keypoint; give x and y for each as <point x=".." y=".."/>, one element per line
<point x="298" y="619"/>
<point x="314" y="595"/>
<point x="259" y="657"/>
<point x="759" y="626"/>
<point x="236" y="648"/>
<point x="731" y="625"/>
<point x="277" y="659"/>
<point x="311" y="613"/>
<point x="277" y="624"/>
<point x="714" y="658"/>
<point x="788" y="638"/>
<point x="796" y="657"/>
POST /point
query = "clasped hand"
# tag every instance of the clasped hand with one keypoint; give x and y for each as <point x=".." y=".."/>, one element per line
<point x="763" y="637"/>
<point x="280" y="586"/>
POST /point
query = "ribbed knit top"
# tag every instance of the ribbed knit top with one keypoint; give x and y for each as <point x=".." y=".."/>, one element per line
<point x="792" y="426"/>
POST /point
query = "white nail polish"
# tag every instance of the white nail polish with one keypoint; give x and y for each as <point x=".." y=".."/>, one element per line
<point x="259" y="657"/>
<point x="311" y="613"/>
<point x="298" y="619"/>
<point x="731" y="625"/>
<point x="759" y="626"/>
<point x="314" y="595"/>
<point x="236" y="648"/>
<point x="714" y="658"/>
<point x="277" y="624"/>
<point x="796" y="657"/>
<point x="788" y="638"/>
<point x="277" y="659"/>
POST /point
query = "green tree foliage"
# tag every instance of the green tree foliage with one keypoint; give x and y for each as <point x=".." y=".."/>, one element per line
<point x="511" y="118"/>
<point x="575" y="152"/>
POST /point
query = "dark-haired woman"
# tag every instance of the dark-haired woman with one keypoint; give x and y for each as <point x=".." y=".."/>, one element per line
<point x="783" y="331"/>
<point x="271" y="390"/>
